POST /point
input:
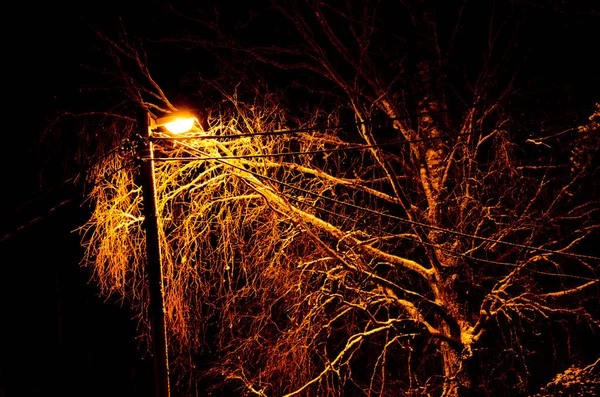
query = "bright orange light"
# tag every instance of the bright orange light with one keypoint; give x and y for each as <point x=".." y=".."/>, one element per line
<point x="177" y="122"/>
<point x="180" y="125"/>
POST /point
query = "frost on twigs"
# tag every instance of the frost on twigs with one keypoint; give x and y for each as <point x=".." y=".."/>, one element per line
<point x="574" y="382"/>
<point x="443" y="259"/>
<point x="290" y="269"/>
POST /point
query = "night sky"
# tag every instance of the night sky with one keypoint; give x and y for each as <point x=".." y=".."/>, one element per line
<point x="58" y="336"/>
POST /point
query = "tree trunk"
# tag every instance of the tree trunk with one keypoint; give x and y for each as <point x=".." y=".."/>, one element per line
<point x="455" y="376"/>
<point x="457" y="379"/>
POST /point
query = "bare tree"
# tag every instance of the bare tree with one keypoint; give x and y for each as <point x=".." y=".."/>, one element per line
<point x="312" y="255"/>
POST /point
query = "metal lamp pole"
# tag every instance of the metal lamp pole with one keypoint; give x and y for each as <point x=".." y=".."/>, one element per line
<point x="153" y="257"/>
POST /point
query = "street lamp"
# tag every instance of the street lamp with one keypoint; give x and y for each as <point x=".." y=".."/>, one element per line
<point x="176" y="123"/>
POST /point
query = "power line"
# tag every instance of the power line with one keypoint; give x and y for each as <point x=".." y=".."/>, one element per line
<point x="437" y="228"/>
<point x="416" y="223"/>
<point x="48" y="191"/>
<point x="452" y="252"/>
<point x="73" y="179"/>
<point x="294" y="130"/>
<point x="35" y="220"/>
<point x="57" y="187"/>
<point x="355" y="147"/>
<point x="332" y="150"/>
<point x="306" y="129"/>
<point x="514" y="96"/>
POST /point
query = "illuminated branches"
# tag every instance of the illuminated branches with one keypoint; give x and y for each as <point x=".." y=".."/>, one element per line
<point x="332" y="260"/>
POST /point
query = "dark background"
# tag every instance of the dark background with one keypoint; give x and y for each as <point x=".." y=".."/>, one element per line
<point x="58" y="336"/>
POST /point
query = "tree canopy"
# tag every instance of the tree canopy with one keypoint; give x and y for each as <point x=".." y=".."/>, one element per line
<point x="379" y="198"/>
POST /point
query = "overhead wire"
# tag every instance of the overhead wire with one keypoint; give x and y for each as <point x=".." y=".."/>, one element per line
<point x="307" y="152"/>
<point x="296" y="131"/>
<point x="314" y="128"/>
<point x="73" y="179"/>
<point x="415" y="223"/>
<point x="452" y="252"/>
<point x="389" y="234"/>
<point x="264" y="133"/>
<point x="428" y="226"/>
<point x="35" y="220"/>
<point x="438" y="246"/>
<point x="293" y="131"/>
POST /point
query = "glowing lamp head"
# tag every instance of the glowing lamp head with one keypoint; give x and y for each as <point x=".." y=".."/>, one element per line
<point x="177" y="123"/>
<point x="179" y="126"/>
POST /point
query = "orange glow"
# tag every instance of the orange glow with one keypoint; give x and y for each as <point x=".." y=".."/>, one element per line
<point x="177" y="122"/>
<point x="179" y="126"/>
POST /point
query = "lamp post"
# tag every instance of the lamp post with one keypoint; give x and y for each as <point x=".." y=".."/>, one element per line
<point x="154" y="272"/>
